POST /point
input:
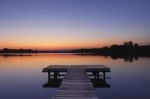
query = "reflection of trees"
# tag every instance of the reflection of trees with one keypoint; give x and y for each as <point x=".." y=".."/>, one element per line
<point x="130" y="59"/>
<point x="126" y="58"/>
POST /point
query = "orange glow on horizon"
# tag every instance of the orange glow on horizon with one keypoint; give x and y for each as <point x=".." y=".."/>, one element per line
<point x="53" y="44"/>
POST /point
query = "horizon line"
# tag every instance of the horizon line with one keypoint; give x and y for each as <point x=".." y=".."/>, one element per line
<point x="67" y="49"/>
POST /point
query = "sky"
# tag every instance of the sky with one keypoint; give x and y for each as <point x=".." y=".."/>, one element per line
<point x="69" y="24"/>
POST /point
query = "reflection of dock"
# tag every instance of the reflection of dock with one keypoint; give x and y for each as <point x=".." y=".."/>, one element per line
<point x="73" y="81"/>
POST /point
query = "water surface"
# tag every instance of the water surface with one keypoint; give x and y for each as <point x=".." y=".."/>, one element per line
<point x="21" y="76"/>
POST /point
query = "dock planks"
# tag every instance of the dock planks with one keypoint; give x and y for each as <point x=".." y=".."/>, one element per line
<point x="76" y="85"/>
<point x="64" y="68"/>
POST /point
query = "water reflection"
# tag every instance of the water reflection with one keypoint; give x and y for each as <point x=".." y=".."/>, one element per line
<point x="16" y="54"/>
<point x="129" y="80"/>
<point x="126" y="58"/>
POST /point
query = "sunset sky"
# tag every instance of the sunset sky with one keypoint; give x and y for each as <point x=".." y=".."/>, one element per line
<point x="68" y="24"/>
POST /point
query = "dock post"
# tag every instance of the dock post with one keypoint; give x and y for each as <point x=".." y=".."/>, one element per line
<point x="56" y="74"/>
<point x="49" y="75"/>
<point x="104" y="75"/>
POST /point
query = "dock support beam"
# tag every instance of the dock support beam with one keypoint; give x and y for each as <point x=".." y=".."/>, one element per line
<point x="49" y="75"/>
<point x="104" y="75"/>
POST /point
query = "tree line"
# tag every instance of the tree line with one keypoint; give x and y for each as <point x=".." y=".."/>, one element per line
<point x="7" y="50"/>
<point x="126" y="49"/>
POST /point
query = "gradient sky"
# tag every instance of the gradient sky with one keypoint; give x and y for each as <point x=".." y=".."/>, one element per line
<point x="65" y="24"/>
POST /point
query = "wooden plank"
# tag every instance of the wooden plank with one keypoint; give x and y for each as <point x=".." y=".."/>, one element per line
<point x="64" y="68"/>
<point x="76" y="85"/>
<point x="76" y="66"/>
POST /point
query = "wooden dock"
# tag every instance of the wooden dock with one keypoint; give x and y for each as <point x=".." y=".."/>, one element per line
<point x="76" y="84"/>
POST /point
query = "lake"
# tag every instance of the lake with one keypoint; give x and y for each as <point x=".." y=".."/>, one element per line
<point x="21" y="76"/>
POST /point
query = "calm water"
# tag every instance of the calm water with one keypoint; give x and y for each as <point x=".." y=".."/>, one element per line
<point x="21" y="77"/>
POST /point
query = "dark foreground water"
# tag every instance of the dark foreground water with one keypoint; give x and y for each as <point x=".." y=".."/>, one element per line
<point x="21" y="77"/>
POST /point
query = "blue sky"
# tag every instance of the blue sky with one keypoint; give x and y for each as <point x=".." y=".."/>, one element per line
<point x="54" y="24"/>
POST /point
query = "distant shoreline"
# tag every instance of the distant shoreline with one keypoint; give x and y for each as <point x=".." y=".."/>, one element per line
<point x="126" y="49"/>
